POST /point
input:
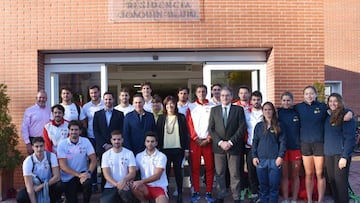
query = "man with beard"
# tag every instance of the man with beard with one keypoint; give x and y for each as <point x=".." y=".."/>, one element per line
<point x="152" y="165"/>
<point x="124" y="98"/>
<point x="119" y="169"/>
<point x="253" y="115"/>
<point x="55" y="130"/>
<point x="72" y="110"/>
<point x="96" y="104"/>
<point x="74" y="154"/>
<point x="183" y="102"/>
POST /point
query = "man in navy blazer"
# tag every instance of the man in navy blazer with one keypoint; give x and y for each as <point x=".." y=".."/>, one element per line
<point x="106" y="121"/>
<point x="227" y="127"/>
<point x="136" y="124"/>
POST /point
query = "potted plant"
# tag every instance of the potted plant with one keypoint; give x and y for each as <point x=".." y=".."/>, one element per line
<point x="10" y="157"/>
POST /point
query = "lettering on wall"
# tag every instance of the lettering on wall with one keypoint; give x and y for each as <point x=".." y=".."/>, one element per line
<point x="154" y="10"/>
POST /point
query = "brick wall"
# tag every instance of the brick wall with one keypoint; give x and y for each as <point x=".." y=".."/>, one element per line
<point x="294" y="30"/>
<point x="342" y="40"/>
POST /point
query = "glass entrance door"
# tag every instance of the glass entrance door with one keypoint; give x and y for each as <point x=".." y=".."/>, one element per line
<point x="78" y="77"/>
<point x="234" y="75"/>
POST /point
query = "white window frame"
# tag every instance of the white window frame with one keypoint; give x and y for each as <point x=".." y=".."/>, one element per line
<point x="52" y="77"/>
<point x="336" y="86"/>
<point x="246" y="66"/>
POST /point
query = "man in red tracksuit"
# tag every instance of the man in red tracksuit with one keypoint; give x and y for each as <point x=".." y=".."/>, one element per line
<point x="200" y="143"/>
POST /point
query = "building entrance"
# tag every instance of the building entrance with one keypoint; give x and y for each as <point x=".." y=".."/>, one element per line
<point x="166" y="70"/>
<point x="165" y="79"/>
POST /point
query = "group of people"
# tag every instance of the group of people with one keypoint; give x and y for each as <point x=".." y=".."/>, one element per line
<point x="138" y="144"/>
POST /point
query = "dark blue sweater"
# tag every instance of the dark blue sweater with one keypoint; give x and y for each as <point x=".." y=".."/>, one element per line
<point x="312" y="118"/>
<point x="291" y="122"/>
<point x="268" y="145"/>
<point x="339" y="140"/>
<point x="134" y="130"/>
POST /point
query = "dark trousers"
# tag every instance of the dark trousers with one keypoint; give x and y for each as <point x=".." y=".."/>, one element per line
<point x="338" y="178"/>
<point x="175" y="156"/>
<point x="112" y="195"/>
<point x="73" y="186"/>
<point x="94" y="173"/>
<point x="252" y="175"/>
<point x="54" y="192"/>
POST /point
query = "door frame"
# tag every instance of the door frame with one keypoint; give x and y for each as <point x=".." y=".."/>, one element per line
<point x="258" y="80"/>
<point x="56" y="63"/>
<point x="52" y="77"/>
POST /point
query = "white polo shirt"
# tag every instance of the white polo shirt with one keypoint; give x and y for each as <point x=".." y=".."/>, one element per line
<point x="252" y="117"/>
<point x="71" y="112"/>
<point x="41" y="168"/>
<point x="118" y="163"/>
<point x="125" y="110"/>
<point x="147" y="165"/>
<point x="76" y="155"/>
<point x="89" y="110"/>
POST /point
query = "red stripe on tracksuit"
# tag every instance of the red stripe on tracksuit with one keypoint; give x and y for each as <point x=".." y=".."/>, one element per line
<point x="203" y="111"/>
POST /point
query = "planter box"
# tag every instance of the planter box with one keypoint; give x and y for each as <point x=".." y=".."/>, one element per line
<point x="6" y="182"/>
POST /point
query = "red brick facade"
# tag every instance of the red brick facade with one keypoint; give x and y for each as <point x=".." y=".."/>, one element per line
<point x="342" y="41"/>
<point x="292" y="31"/>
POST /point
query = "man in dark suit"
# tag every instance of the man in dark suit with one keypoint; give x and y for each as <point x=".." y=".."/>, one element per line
<point x="136" y="124"/>
<point x="106" y="121"/>
<point x="227" y="127"/>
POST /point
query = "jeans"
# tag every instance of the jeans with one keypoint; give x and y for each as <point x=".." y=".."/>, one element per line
<point x="269" y="176"/>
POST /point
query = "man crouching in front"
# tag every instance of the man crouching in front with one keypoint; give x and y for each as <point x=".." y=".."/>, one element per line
<point x="152" y="164"/>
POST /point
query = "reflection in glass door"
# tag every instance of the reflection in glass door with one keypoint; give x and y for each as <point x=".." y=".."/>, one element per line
<point x="235" y="75"/>
<point x="79" y="83"/>
<point x="78" y="77"/>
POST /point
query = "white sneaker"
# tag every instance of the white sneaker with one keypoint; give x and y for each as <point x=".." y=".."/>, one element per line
<point x="285" y="201"/>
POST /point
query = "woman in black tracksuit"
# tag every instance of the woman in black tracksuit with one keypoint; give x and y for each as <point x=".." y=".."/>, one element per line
<point x="339" y="142"/>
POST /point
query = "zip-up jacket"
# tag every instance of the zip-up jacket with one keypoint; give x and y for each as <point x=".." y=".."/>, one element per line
<point x="312" y="118"/>
<point x="268" y="145"/>
<point x="339" y="140"/>
<point x="197" y="117"/>
<point x="54" y="133"/>
<point x="291" y="127"/>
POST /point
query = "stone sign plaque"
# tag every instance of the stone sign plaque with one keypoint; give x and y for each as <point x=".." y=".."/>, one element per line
<point x="154" y="10"/>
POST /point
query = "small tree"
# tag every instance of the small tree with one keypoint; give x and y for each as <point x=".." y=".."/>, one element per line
<point x="10" y="157"/>
<point x="320" y="88"/>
